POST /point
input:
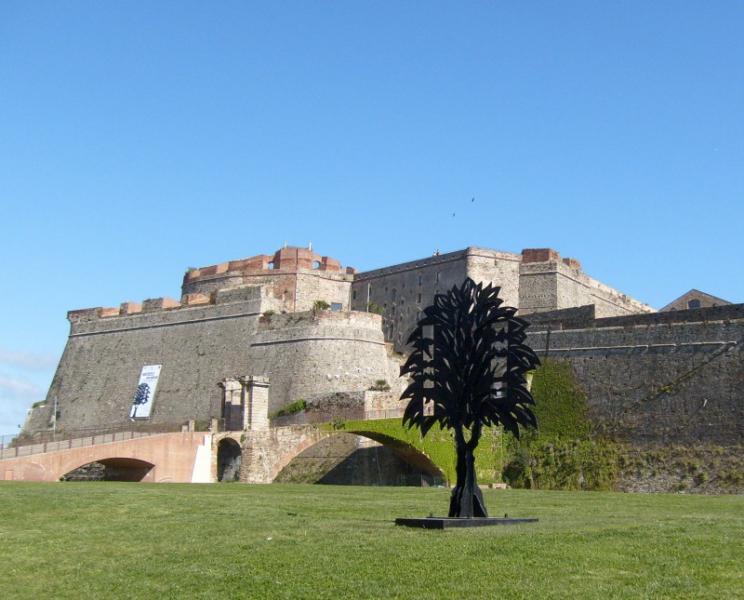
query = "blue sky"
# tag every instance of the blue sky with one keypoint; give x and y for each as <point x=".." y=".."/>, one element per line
<point x="140" y="138"/>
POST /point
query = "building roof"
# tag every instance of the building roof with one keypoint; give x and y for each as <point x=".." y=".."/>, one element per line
<point x="694" y="294"/>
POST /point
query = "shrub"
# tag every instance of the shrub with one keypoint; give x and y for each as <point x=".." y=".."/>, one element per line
<point x="380" y="386"/>
<point x="375" y="308"/>
<point x="561" y="464"/>
<point x="319" y="305"/>
<point x="291" y="409"/>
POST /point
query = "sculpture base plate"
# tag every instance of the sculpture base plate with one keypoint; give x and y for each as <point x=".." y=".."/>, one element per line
<point x="453" y="522"/>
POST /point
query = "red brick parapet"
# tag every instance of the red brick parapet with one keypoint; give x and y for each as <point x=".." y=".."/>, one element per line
<point x="289" y="258"/>
<point x="532" y="255"/>
<point x="197" y="299"/>
<point x="130" y="308"/>
<point x="572" y="263"/>
<point x="159" y="304"/>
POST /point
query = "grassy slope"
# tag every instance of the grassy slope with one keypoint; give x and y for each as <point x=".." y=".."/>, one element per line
<point x="116" y="540"/>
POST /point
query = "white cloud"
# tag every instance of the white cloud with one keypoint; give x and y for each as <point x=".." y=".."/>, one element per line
<point x="19" y="388"/>
<point x="32" y="361"/>
<point x="16" y="396"/>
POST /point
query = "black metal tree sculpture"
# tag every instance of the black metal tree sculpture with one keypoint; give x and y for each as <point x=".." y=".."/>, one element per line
<point x="468" y="368"/>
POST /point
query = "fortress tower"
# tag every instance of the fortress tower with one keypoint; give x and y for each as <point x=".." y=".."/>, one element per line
<point x="292" y="278"/>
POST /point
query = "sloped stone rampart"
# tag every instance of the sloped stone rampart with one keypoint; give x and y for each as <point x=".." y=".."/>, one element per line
<point x="200" y="346"/>
<point x="677" y="382"/>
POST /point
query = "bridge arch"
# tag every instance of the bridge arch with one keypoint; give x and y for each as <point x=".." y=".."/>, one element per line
<point x="115" y="468"/>
<point x="229" y="458"/>
<point x="343" y="457"/>
<point x="162" y="457"/>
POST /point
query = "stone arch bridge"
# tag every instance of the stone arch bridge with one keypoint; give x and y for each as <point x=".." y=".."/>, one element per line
<point x="193" y="456"/>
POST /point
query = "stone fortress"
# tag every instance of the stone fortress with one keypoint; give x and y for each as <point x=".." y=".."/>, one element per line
<point x="250" y="337"/>
<point x="258" y="317"/>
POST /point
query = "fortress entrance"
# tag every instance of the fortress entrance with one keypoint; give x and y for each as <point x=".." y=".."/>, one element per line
<point x="229" y="457"/>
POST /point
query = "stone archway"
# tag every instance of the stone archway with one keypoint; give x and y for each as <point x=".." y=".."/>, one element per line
<point x="344" y="458"/>
<point x="110" y="469"/>
<point x="229" y="458"/>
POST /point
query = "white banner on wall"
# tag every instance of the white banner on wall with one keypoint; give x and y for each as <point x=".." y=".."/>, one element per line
<point x="145" y="393"/>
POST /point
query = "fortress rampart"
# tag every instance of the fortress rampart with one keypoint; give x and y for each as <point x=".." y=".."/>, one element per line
<point x="547" y="282"/>
<point x="315" y="353"/>
<point x="538" y="280"/>
<point x="403" y="290"/>
<point x="655" y="378"/>
<point x="250" y="337"/>
<point x="201" y="345"/>
<point x="260" y="317"/>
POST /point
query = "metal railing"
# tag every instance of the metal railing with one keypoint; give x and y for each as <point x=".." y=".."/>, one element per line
<point x="15" y="451"/>
<point x="46" y="435"/>
<point x="38" y="442"/>
<point x="6" y="441"/>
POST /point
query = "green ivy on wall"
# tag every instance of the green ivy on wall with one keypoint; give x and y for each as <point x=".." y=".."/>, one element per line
<point x="565" y="454"/>
<point x="438" y="445"/>
<point x="560" y="402"/>
<point x="564" y="464"/>
<point x="561" y="454"/>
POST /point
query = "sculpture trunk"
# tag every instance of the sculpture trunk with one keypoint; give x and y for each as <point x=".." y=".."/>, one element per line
<point x="466" y="500"/>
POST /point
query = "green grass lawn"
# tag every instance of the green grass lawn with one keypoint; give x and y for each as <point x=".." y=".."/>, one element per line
<point x="119" y="540"/>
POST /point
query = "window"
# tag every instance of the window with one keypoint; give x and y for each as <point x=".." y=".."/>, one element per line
<point x="419" y="299"/>
<point x="336" y="306"/>
<point x="437" y="278"/>
<point x="353" y="295"/>
<point x="693" y="303"/>
<point x="394" y="293"/>
<point x="421" y="279"/>
<point x="316" y="264"/>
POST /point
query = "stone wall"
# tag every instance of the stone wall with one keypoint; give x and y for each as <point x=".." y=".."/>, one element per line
<point x="403" y="290"/>
<point x="197" y="347"/>
<point x="331" y="288"/>
<point x="286" y="291"/>
<point x="345" y="406"/>
<point x="564" y="318"/>
<point x="305" y="354"/>
<point x="670" y="382"/>
<point x="547" y="282"/>
<point x="539" y="280"/>
<point x="201" y="346"/>
<point x="326" y="408"/>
